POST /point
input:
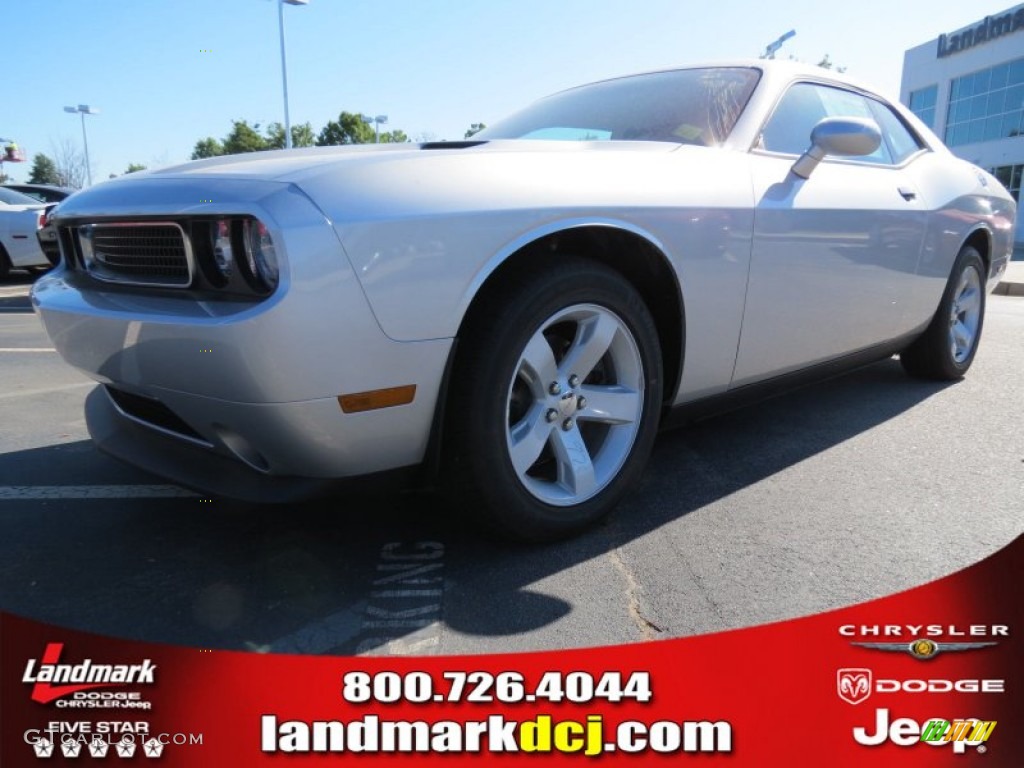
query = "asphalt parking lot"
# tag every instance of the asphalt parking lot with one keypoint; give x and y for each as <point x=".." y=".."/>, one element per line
<point x="831" y="495"/>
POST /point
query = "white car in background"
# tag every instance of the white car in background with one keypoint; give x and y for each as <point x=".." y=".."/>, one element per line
<point x="523" y="310"/>
<point x="20" y="219"/>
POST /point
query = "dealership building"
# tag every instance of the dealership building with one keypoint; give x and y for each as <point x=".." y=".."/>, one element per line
<point x="968" y="86"/>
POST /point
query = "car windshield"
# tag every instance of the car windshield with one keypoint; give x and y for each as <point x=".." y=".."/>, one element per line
<point x="12" y="197"/>
<point x="686" y="106"/>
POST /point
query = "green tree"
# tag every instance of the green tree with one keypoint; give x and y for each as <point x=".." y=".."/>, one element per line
<point x="826" y="63"/>
<point x="302" y="136"/>
<point x="208" y="147"/>
<point x="394" y="137"/>
<point x="474" y="129"/>
<point x="44" y="170"/>
<point x="133" y="167"/>
<point x="349" y="128"/>
<point x="243" y="138"/>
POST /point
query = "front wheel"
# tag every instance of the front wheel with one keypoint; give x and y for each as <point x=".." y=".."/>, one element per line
<point x="555" y="400"/>
<point x="947" y="347"/>
<point x="5" y="263"/>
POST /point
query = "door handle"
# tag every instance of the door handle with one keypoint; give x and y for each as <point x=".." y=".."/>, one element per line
<point x="907" y="193"/>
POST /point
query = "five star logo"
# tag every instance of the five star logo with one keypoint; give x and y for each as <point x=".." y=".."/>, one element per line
<point x="153" y="748"/>
<point x="98" y="747"/>
<point x="71" y="748"/>
<point x="43" y="748"/>
<point x="125" y="748"/>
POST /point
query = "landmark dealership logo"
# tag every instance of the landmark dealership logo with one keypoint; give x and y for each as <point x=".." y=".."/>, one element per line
<point x="45" y="673"/>
<point x="989" y="28"/>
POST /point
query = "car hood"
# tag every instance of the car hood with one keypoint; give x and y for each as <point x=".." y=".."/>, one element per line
<point x="296" y="164"/>
<point x="369" y="182"/>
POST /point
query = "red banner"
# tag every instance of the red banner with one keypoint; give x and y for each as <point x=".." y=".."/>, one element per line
<point x="928" y="677"/>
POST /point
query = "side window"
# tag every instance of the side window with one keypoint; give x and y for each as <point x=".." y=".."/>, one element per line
<point x="902" y="143"/>
<point x="789" y="128"/>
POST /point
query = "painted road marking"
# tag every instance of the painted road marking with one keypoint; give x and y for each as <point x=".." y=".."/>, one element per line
<point x="319" y="637"/>
<point x="27" y="349"/>
<point x="404" y="618"/>
<point x="45" y="390"/>
<point x="23" y="492"/>
<point x="408" y="593"/>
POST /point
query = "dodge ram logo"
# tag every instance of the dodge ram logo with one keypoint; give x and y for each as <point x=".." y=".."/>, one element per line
<point x="853" y="685"/>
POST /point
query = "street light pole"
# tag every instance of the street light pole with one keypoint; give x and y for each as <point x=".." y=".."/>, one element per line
<point x="376" y="125"/>
<point x="284" y="68"/>
<point x="85" y="143"/>
<point x="83" y="110"/>
<point x="773" y="47"/>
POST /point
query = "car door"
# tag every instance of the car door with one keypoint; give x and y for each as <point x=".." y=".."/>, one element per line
<point x="18" y="233"/>
<point x="832" y="254"/>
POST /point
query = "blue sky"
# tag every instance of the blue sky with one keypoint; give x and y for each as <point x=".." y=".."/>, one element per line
<point x="168" y="72"/>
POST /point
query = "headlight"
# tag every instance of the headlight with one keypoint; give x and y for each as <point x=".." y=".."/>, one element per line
<point x="260" y="253"/>
<point x="223" y="257"/>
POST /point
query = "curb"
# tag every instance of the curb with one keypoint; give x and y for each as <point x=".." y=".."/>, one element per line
<point x="1012" y="283"/>
<point x="1009" y="289"/>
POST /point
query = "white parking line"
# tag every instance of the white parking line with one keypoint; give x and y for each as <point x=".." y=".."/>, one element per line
<point x="27" y="349"/>
<point x="403" y="621"/>
<point x="29" y="492"/>
<point x="319" y="637"/>
<point x="45" y="390"/>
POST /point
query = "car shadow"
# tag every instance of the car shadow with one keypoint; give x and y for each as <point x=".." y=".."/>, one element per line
<point x="19" y="301"/>
<point x="302" y="578"/>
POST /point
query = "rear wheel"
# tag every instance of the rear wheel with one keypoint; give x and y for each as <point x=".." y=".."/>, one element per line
<point x="947" y="347"/>
<point x="555" y="401"/>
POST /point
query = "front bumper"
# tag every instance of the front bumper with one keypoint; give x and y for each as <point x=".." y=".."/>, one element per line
<point x="238" y="397"/>
<point x="256" y="392"/>
<point x="195" y="466"/>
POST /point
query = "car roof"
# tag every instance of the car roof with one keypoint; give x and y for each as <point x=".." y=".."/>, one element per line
<point x="772" y="69"/>
<point x="14" y="197"/>
<point x="51" y="187"/>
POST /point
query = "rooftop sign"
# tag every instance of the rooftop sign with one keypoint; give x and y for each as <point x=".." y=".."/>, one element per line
<point x="988" y="29"/>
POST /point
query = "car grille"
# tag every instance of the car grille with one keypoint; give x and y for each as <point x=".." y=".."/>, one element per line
<point x="143" y="253"/>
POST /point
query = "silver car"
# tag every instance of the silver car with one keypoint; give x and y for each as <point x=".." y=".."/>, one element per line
<point x="517" y="314"/>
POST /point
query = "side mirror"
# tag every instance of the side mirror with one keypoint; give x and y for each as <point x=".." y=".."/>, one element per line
<point x="849" y="136"/>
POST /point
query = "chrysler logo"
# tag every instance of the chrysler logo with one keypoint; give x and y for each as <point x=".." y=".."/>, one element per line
<point x="923" y="648"/>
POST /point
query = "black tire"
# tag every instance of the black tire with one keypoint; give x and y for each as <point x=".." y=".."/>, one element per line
<point x="938" y="353"/>
<point x="5" y="263"/>
<point x="498" y="396"/>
